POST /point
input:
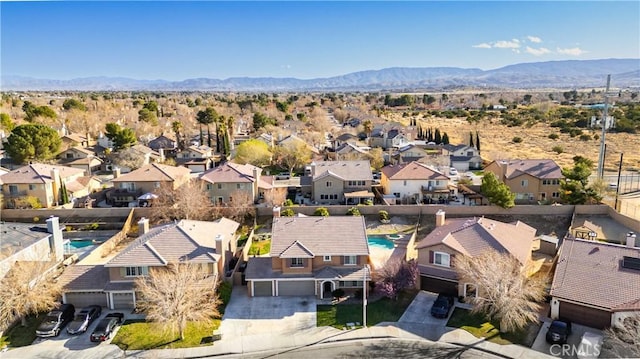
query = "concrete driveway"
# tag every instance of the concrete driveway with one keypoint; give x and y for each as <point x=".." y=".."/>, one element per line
<point x="246" y="315"/>
<point x="417" y="318"/>
<point x="570" y="349"/>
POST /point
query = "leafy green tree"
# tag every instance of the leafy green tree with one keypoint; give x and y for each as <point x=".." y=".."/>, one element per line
<point x="574" y="188"/>
<point x="152" y="106"/>
<point x="207" y="117"/>
<point x="121" y="137"/>
<point x="321" y="212"/>
<point x="477" y="141"/>
<point x="292" y="156"/>
<point x="471" y="139"/>
<point x="32" y="142"/>
<point x="261" y="120"/>
<point x="287" y="212"/>
<point x="64" y="194"/>
<point x="445" y="139"/>
<point x="353" y="211"/>
<point x="437" y="138"/>
<point x="32" y="111"/>
<point x="6" y="122"/>
<point x="254" y="152"/>
<point x="73" y="104"/>
<point x="148" y="116"/>
<point x="177" y="128"/>
<point x="497" y="192"/>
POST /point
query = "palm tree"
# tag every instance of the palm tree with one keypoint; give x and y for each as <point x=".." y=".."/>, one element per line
<point x="368" y="127"/>
<point x="176" y="126"/>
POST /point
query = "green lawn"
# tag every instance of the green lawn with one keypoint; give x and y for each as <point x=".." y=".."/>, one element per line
<point x="260" y="247"/>
<point x="141" y="335"/>
<point x="383" y="310"/>
<point x="19" y="336"/>
<point x="477" y="325"/>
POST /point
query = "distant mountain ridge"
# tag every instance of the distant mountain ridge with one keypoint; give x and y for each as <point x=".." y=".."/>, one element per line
<point x="550" y="74"/>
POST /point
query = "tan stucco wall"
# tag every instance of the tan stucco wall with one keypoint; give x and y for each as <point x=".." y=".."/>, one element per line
<point x="320" y="188"/>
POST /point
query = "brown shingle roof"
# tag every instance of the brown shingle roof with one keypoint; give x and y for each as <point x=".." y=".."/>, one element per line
<point x="537" y="168"/>
<point x="230" y="173"/>
<point x="154" y="172"/>
<point x="321" y="236"/>
<point x="37" y="173"/>
<point x="412" y="171"/>
<point x="191" y="240"/>
<point x="472" y="236"/>
<point x="346" y="170"/>
<point x="591" y="272"/>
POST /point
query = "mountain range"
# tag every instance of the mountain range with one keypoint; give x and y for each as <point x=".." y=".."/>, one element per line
<point x="568" y="74"/>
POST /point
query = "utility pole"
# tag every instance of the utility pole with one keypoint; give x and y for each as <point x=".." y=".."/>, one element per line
<point x="604" y="130"/>
<point x="364" y="297"/>
<point x="615" y="204"/>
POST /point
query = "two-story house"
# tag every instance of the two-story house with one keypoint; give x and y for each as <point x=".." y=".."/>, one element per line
<point x="311" y="256"/>
<point x="463" y="157"/>
<point x="454" y="237"/>
<point x="196" y="158"/>
<point x="222" y="182"/>
<point x="415" y="182"/>
<point x="44" y="184"/>
<point x="82" y="158"/>
<point x="530" y="180"/>
<point x="341" y="182"/>
<point x="389" y="138"/>
<point x="112" y="284"/>
<point x="165" y="144"/>
<point x="75" y="139"/>
<point x="146" y="179"/>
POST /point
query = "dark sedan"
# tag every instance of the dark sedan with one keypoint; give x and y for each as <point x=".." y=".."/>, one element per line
<point x="442" y="306"/>
<point x="82" y="320"/>
<point x="106" y="326"/>
<point x="558" y="332"/>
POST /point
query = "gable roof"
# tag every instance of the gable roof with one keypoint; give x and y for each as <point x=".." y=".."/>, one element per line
<point x="472" y="236"/>
<point x="296" y="139"/>
<point x="318" y="236"/>
<point x="154" y="172"/>
<point x="80" y="149"/>
<point x="544" y="168"/>
<point x="412" y="171"/>
<point x="162" y="141"/>
<point x="184" y="240"/>
<point x="347" y="170"/>
<point x="75" y="137"/>
<point x="38" y="173"/>
<point x="591" y="272"/>
<point x="230" y="172"/>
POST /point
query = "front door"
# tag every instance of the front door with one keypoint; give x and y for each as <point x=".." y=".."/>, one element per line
<point x="326" y="289"/>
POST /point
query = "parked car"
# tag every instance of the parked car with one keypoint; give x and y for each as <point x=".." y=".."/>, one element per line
<point x="55" y="321"/>
<point x="558" y="332"/>
<point x="283" y="176"/>
<point x="82" y="320"/>
<point x="453" y="171"/>
<point x="106" y="326"/>
<point x="442" y="306"/>
<point x="590" y="345"/>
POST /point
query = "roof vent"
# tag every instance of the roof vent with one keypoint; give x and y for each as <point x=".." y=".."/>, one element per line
<point x="631" y="263"/>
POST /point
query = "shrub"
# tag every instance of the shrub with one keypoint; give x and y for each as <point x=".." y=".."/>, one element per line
<point x="368" y="202"/>
<point x="224" y="292"/>
<point x="338" y="293"/>
<point x="287" y="213"/>
<point x="554" y="136"/>
<point x="585" y="137"/>
<point x="353" y="211"/>
<point x="383" y="215"/>
<point x="557" y="149"/>
<point x="321" y="211"/>
<point x="288" y="202"/>
<point x="91" y="227"/>
<point x="36" y="219"/>
<point x="516" y="139"/>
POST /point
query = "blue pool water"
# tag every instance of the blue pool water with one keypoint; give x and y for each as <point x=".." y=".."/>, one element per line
<point x="81" y="243"/>
<point x="380" y="242"/>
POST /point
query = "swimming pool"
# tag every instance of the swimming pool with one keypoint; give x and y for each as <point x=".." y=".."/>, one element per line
<point x="380" y="242"/>
<point x="81" y="243"/>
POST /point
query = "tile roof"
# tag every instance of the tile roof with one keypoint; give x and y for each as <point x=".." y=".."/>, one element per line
<point x="347" y="170"/>
<point x="537" y="168"/>
<point x="84" y="278"/>
<point x="154" y="172"/>
<point x="260" y="268"/>
<point x="591" y="272"/>
<point x="15" y="237"/>
<point x="230" y="172"/>
<point x="412" y="171"/>
<point x="472" y="236"/>
<point x="320" y="236"/>
<point x="38" y="173"/>
<point x="293" y="139"/>
<point x="187" y="239"/>
<point x="437" y="272"/>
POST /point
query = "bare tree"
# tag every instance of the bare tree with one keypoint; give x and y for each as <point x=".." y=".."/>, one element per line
<point x="395" y="276"/>
<point x="293" y="155"/>
<point x="240" y="207"/>
<point x="189" y="201"/>
<point x="505" y="290"/>
<point x="624" y="340"/>
<point x="180" y="293"/>
<point x="28" y="288"/>
<point x="129" y="158"/>
<point x="274" y="197"/>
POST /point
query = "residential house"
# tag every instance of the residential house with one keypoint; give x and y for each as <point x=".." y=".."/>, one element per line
<point x="454" y="237"/>
<point x="344" y="139"/>
<point x="596" y="284"/>
<point x="146" y="179"/>
<point x="224" y="181"/>
<point x="389" y="138"/>
<point x="112" y="284"/>
<point x="350" y="151"/>
<point x="463" y="157"/>
<point x="311" y="256"/>
<point x="530" y="180"/>
<point x="76" y="139"/>
<point x="411" y="153"/>
<point x="196" y="158"/>
<point x="82" y="158"/>
<point x="341" y="182"/>
<point x="44" y="183"/>
<point x="104" y="142"/>
<point x="295" y="140"/>
<point x="165" y="144"/>
<point x="415" y="182"/>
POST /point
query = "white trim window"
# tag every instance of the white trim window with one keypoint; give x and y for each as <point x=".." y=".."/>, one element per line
<point x="297" y="262"/>
<point x="350" y="260"/>
<point x="327" y="258"/>
<point x="442" y="259"/>
<point x="136" y="271"/>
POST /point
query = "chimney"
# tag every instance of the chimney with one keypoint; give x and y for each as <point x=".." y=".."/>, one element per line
<point x="143" y="226"/>
<point x="55" y="241"/>
<point x="55" y="179"/>
<point x="440" y="218"/>
<point x="220" y="249"/>
<point x="631" y="240"/>
<point x="256" y="180"/>
<point x="313" y="169"/>
<point x="116" y="172"/>
<point x="503" y="169"/>
<point x="161" y="152"/>
<point x="276" y="212"/>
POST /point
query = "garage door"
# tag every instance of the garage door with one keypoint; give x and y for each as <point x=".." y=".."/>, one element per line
<point x="123" y="300"/>
<point x="85" y="299"/>
<point x="438" y="286"/>
<point x="262" y="289"/>
<point x="590" y="317"/>
<point x="296" y="288"/>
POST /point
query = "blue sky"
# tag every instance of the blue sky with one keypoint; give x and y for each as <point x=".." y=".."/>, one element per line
<point x="180" y="40"/>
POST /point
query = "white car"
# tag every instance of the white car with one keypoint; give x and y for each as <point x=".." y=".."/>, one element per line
<point x="453" y="171"/>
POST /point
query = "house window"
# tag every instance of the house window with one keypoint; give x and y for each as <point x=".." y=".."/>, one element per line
<point x="156" y="185"/>
<point x="219" y="185"/>
<point x="220" y="200"/>
<point x="470" y="290"/>
<point x="297" y="262"/>
<point x="555" y="195"/>
<point x="405" y="182"/>
<point x="350" y="260"/>
<point x="327" y="258"/>
<point x="524" y="183"/>
<point x="329" y="184"/>
<point x="13" y="189"/>
<point x="350" y="284"/>
<point x="69" y="155"/>
<point x="208" y="186"/>
<point x="239" y="185"/>
<point x="129" y="186"/>
<point x="469" y="153"/>
<point x="442" y="259"/>
<point x="32" y="187"/>
<point x="397" y="194"/>
<point x="136" y="271"/>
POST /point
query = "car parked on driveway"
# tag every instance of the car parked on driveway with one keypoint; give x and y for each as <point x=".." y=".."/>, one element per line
<point x="82" y="320"/>
<point x="558" y="332"/>
<point x="442" y="306"/>
<point x="55" y="321"/>
<point x="283" y="176"/>
<point x="106" y="327"/>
